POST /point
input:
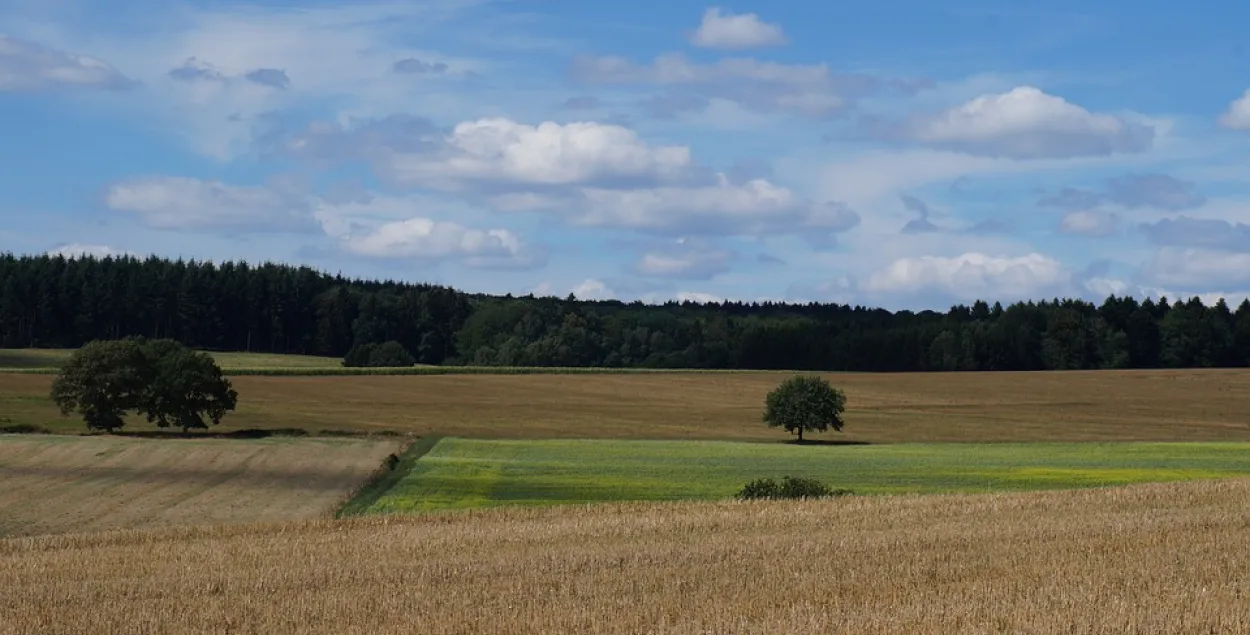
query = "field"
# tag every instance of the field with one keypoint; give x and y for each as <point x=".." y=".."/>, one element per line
<point x="466" y="473"/>
<point x="21" y="358"/>
<point x="1137" y="560"/>
<point x="67" y="484"/>
<point x="1182" y="405"/>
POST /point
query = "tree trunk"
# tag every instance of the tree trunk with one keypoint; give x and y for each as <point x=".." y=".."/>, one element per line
<point x="800" y="434"/>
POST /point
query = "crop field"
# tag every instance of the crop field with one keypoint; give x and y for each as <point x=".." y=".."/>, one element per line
<point x="1135" y="560"/>
<point x="20" y="358"/>
<point x="1180" y="405"/>
<point x="465" y="473"/>
<point x="57" y="484"/>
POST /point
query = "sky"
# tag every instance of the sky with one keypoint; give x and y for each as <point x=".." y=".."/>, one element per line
<point x="903" y="154"/>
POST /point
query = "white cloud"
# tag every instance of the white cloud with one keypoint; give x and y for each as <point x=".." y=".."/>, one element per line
<point x="78" y="250"/>
<point x="1237" y="116"/>
<point x="1025" y="123"/>
<point x="26" y="66"/>
<point x="502" y="150"/>
<point x="698" y="297"/>
<point x="808" y="90"/>
<point x="721" y="30"/>
<point x="971" y="276"/>
<point x="684" y="259"/>
<point x="169" y="202"/>
<point x="724" y="208"/>
<point x="427" y="239"/>
<point x="592" y="289"/>
<point x="1197" y="268"/>
<point x="342" y="55"/>
<point x="1089" y="223"/>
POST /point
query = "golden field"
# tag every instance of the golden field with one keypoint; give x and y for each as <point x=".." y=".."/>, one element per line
<point x="1142" y="559"/>
<point x="1171" y="405"/>
<point x="66" y="484"/>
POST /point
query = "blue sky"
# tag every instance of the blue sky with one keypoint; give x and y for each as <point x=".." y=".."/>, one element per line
<point x="903" y="154"/>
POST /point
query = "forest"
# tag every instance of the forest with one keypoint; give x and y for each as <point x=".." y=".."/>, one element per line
<point x="59" y="302"/>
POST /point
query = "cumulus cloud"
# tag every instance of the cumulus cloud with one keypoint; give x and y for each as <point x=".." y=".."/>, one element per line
<point x="169" y="202"/>
<point x="502" y="150"/>
<point x="806" y="90"/>
<point x="722" y="208"/>
<point x="1023" y="123"/>
<point x="1197" y="268"/>
<point x="1133" y="191"/>
<point x="427" y="239"/>
<point x="592" y="289"/>
<point x="721" y="30"/>
<point x="1237" y="117"/>
<point x="1089" y="223"/>
<point x="27" y="67"/>
<point x="971" y="275"/>
<point x="684" y="259"/>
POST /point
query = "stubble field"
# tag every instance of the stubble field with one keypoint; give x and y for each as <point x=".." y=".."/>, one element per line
<point x="1137" y="560"/>
<point x="57" y="484"/>
<point x="1165" y="405"/>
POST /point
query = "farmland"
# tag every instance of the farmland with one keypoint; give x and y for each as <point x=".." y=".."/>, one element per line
<point x="1163" y="405"/>
<point x="65" y="484"/>
<point x="48" y="359"/>
<point x="1137" y="560"/>
<point x="465" y="473"/>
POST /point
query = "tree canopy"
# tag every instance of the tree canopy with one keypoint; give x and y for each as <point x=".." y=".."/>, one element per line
<point x="55" y="302"/>
<point x="805" y="403"/>
<point x="163" y="380"/>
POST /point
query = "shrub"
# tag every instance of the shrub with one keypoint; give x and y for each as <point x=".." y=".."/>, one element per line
<point x="789" y="487"/>
<point x="389" y="355"/>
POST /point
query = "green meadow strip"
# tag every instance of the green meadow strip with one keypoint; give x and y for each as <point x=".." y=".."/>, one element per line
<point x="437" y="370"/>
<point x="387" y="477"/>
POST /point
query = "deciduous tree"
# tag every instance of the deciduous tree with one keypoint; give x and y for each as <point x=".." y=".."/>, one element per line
<point x="805" y="403"/>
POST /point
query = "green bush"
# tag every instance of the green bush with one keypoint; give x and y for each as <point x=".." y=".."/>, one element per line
<point x="388" y="355"/>
<point x="789" y="487"/>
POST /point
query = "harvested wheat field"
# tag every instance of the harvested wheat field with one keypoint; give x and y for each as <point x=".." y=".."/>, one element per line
<point x="1180" y="405"/>
<point x="67" y="484"/>
<point x="1142" y="559"/>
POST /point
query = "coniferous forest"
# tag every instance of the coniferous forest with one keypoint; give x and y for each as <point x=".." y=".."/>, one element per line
<point x="54" y="302"/>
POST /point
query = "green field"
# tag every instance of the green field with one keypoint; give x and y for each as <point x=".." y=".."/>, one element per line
<point x="464" y="473"/>
<point x="48" y="359"/>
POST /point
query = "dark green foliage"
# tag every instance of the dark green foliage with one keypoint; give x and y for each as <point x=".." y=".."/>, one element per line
<point x="789" y="487"/>
<point x="63" y="303"/>
<point x="390" y="354"/>
<point x="360" y="356"/>
<point x="102" y="381"/>
<point x="163" y="380"/>
<point x="805" y="403"/>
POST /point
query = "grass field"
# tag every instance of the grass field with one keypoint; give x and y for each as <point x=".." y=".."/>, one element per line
<point x="68" y="484"/>
<point x="465" y="473"/>
<point x="27" y="358"/>
<point x="1138" y="560"/>
<point x="1188" y="405"/>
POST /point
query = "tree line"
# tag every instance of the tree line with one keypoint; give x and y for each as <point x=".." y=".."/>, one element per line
<point x="58" y="302"/>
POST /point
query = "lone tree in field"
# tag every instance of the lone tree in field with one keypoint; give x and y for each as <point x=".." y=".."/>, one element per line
<point x="805" y="402"/>
<point x="162" y="379"/>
